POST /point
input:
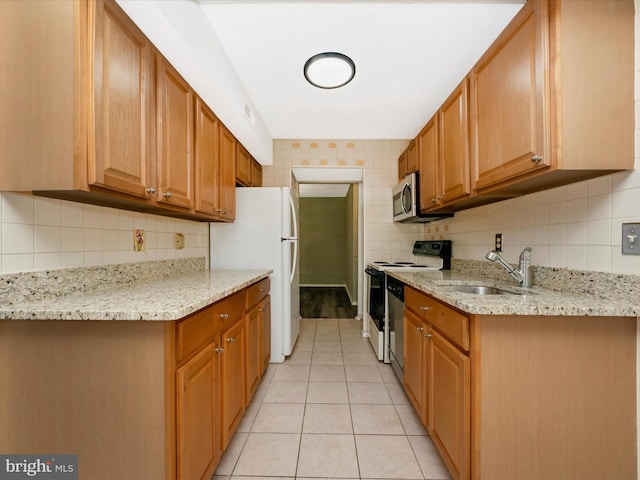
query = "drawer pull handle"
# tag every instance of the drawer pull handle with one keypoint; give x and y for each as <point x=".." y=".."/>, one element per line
<point x="218" y="349"/>
<point x="424" y="309"/>
<point x="224" y="316"/>
<point x="231" y="340"/>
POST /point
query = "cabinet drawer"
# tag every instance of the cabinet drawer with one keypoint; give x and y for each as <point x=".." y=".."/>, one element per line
<point x="256" y="292"/>
<point x="204" y="326"/>
<point x="451" y="323"/>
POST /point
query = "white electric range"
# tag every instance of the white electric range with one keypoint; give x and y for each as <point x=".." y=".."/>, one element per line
<point x="433" y="255"/>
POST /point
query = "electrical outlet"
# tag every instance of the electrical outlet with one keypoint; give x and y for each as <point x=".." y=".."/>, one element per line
<point x="498" y="245"/>
<point x="631" y="238"/>
<point x="138" y="240"/>
<point x="179" y="241"/>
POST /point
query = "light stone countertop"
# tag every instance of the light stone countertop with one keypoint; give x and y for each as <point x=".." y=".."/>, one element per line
<point x="164" y="299"/>
<point x="533" y="301"/>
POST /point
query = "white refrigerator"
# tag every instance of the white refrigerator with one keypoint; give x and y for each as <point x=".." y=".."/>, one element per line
<point x="265" y="236"/>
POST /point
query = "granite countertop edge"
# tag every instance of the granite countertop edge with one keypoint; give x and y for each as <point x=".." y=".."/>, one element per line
<point x="165" y="299"/>
<point x="531" y="301"/>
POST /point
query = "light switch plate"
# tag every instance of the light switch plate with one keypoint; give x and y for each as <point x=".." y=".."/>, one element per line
<point x="631" y="238"/>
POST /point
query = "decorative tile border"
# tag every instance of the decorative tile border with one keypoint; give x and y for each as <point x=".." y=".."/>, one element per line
<point x="40" y="285"/>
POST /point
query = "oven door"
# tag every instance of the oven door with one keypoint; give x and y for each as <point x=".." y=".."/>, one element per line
<point x="376" y="309"/>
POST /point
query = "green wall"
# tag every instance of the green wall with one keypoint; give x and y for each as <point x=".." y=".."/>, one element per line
<point x="323" y="241"/>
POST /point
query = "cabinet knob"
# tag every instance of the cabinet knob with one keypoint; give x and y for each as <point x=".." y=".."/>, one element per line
<point x="420" y="329"/>
<point x="224" y="316"/>
<point x="151" y="190"/>
<point x="536" y="158"/>
<point x="231" y="340"/>
<point x="428" y="335"/>
<point x="260" y="309"/>
<point x="424" y="309"/>
<point x="218" y="349"/>
<point x="434" y="200"/>
<point x="167" y="195"/>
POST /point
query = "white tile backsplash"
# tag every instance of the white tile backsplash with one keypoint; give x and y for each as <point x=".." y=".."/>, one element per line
<point x="38" y="233"/>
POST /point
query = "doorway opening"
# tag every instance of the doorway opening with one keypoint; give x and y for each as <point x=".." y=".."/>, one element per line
<point x="331" y="241"/>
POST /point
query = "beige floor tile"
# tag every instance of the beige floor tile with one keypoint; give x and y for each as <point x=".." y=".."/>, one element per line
<point x="327" y="418"/>
<point x="388" y="375"/>
<point x="362" y="373"/>
<point x="268" y="374"/>
<point x="326" y="324"/>
<point x="237" y="477"/>
<point x="359" y="358"/>
<point x="286" y="392"/>
<point x="327" y="336"/>
<point x="351" y="337"/>
<point x="430" y="462"/>
<point x="231" y="455"/>
<point x="368" y="393"/>
<point x="291" y="373"/>
<point x="220" y="477"/>
<point x="327" y="358"/>
<point x="269" y="454"/>
<point x="398" y="460"/>
<point x="328" y="456"/>
<point x="299" y="357"/>
<point x="327" y="392"/>
<point x="306" y="336"/>
<point x="397" y="394"/>
<point x="376" y="420"/>
<point x="304" y="346"/>
<point x="350" y="324"/>
<point x="249" y="416"/>
<point x="327" y="347"/>
<point x="307" y="325"/>
<point x="356" y="347"/>
<point x="327" y="373"/>
<point x="410" y="420"/>
<point x="279" y="418"/>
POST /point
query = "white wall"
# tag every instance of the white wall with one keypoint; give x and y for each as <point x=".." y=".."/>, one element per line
<point x="39" y="233"/>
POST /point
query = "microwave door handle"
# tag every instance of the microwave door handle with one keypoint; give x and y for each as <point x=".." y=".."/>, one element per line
<point x="402" y="202"/>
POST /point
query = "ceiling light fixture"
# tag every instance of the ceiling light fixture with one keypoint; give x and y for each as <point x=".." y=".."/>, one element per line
<point x="329" y="70"/>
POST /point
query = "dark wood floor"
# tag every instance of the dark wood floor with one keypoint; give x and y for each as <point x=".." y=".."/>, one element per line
<point x="326" y="302"/>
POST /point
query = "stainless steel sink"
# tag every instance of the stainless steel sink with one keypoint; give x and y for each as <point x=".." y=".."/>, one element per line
<point x="479" y="290"/>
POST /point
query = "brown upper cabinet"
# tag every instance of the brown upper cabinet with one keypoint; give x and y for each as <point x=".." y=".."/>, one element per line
<point x="256" y="173"/>
<point x="175" y="136"/>
<point x="100" y="117"/>
<point x="552" y="99"/>
<point x="243" y="166"/>
<point x="549" y="103"/>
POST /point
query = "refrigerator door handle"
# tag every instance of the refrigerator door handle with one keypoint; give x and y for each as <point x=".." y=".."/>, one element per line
<point x="295" y="238"/>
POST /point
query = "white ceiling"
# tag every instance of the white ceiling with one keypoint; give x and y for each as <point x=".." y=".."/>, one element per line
<point x="247" y="56"/>
<point x="409" y="56"/>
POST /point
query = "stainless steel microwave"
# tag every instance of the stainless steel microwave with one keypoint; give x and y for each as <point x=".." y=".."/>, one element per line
<point x="406" y="202"/>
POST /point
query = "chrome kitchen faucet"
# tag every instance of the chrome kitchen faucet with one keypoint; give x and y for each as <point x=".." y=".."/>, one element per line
<point x="522" y="274"/>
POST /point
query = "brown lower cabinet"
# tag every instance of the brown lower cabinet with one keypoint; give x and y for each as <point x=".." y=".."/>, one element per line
<point x="526" y="397"/>
<point x="133" y="399"/>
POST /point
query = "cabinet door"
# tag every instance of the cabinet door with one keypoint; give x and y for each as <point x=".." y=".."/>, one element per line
<point x="232" y="381"/>
<point x="119" y="143"/>
<point x="197" y="415"/>
<point x="175" y="136"/>
<point x="414" y="359"/>
<point x="254" y="360"/>
<point x="430" y="178"/>
<point x="402" y="165"/>
<point x="227" y="183"/>
<point x="454" y="145"/>
<point x="508" y="103"/>
<point x="412" y="157"/>
<point x="265" y="333"/>
<point x="206" y="159"/>
<point x="256" y="173"/>
<point x="243" y="165"/>
<point x="449" y="402"/>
